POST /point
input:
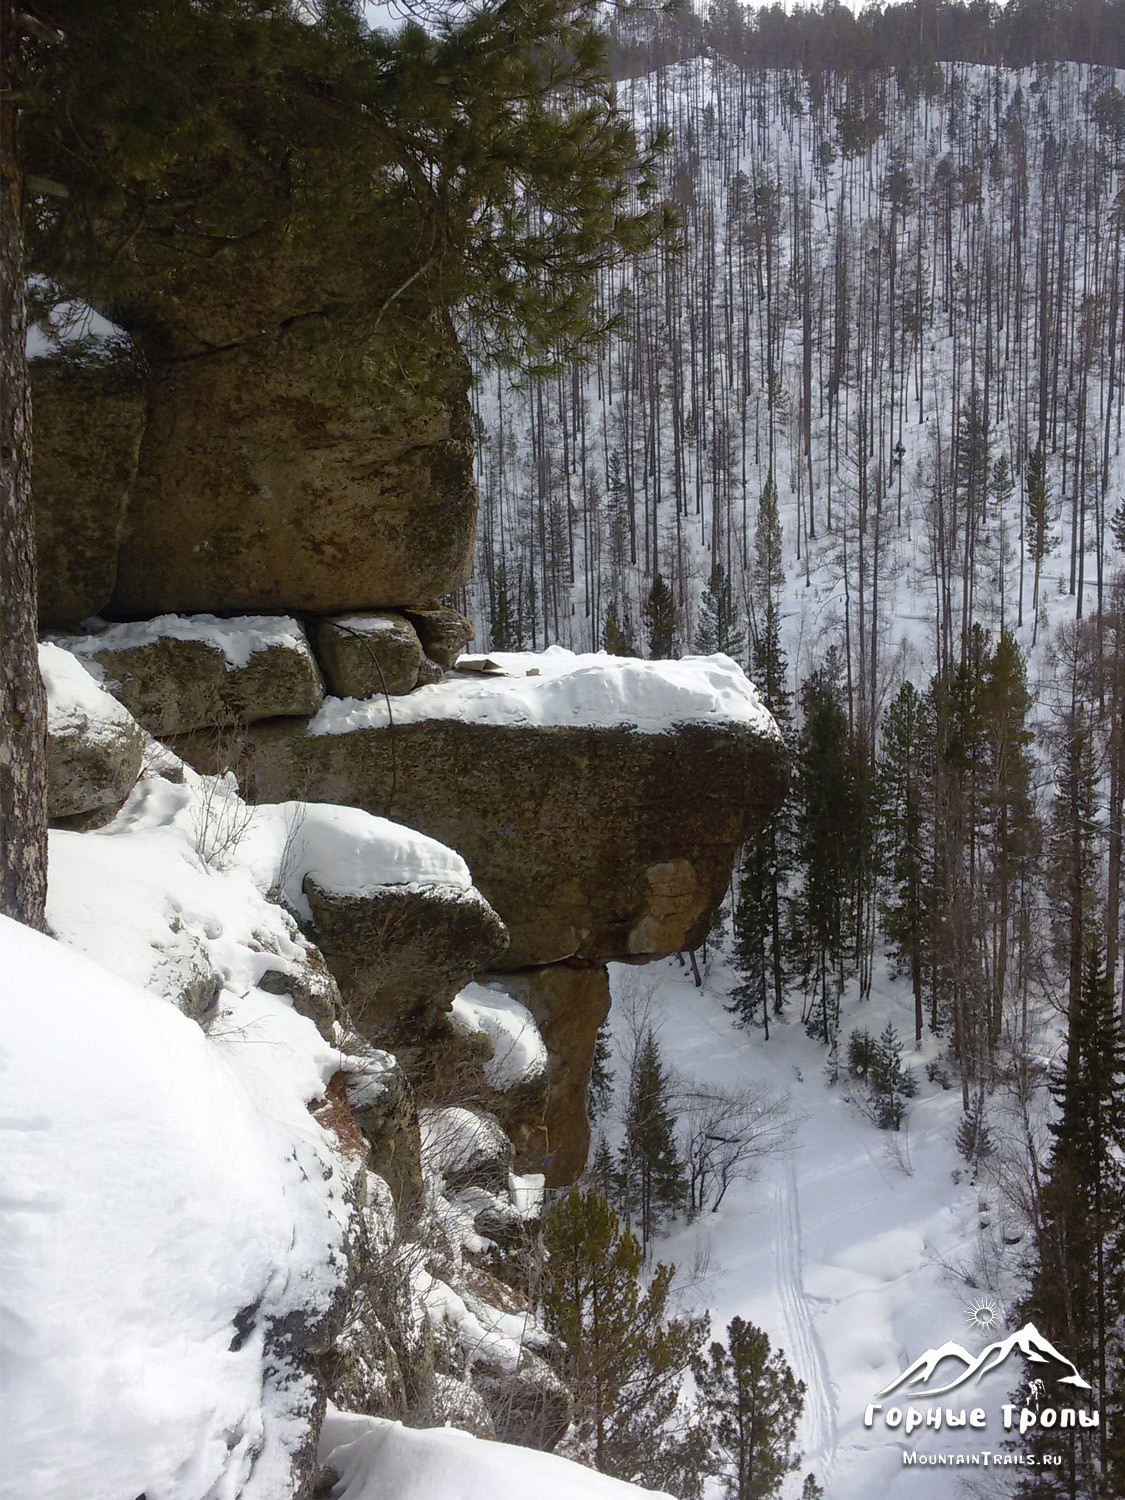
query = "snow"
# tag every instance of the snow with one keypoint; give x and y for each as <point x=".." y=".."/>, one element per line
<point x="347" y="851"/>
<point x="561" y="687"/>
<point x="527" y="1190"/>
<point x="518" y="1051"/>
<point x="377" y="1459"/>
<point x="148" y="1199"/>
<point x="185" y="868"/>
<point x="452" y="1138"/>
<point x="238" y="638"/>
<point x="856" y="1249"/>
<point x="75" y="699"/>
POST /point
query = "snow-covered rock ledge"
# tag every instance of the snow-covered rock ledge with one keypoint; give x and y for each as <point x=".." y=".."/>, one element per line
<point x="377" y="1459"/>
<point x="561" y="688"/>
<point x="598" y="800"/>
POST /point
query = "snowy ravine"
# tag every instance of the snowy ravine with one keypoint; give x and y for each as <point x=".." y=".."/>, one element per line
<point x="846" y="1248"/>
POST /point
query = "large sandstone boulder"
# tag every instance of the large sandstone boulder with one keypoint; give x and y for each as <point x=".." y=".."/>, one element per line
<point x="266" y="482"/>
<point x="365" y="654"/>
<point x="88" y="425"/>
<point x="597" y="823"/>
<point x="400" y="953"/>
<point x="94" y="747"/>
<point x="182" y="672"/>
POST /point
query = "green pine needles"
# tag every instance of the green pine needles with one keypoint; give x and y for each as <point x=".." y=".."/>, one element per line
<point x="269" y="153"/>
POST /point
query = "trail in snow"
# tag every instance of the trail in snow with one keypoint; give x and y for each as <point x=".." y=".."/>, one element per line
<point x="835" y="1252"/>
<point x="817" y="1432"/>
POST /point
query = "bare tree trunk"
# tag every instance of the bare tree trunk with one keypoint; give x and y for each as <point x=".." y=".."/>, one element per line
<point x="23" y="708"/>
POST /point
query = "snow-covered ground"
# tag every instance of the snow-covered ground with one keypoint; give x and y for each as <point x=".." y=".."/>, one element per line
<point x="850" y="1248"/>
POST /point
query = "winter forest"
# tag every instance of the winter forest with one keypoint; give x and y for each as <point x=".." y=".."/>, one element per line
<point x="859" y="428"/>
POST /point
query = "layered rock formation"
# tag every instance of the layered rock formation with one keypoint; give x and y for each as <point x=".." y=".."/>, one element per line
<point x="552" y="813"/>
<point x="594" y="837"/>
<point x="88" y="427"/>
<point x="262" y="462"/>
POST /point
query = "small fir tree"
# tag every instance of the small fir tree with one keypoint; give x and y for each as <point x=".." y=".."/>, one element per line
<point x="599" y="1091"/>
<point x="826" y="846"/>
<point x="617" y="636"/>
<point x="1077" y="1295"/>
<point x="905" y="784"/>
<point x="621" y="1355"/>
<point x="660" y="619"/>
<point x="752" y="1403"/>
<point x="650" y="1168"/>
<point x="718" y="628"/>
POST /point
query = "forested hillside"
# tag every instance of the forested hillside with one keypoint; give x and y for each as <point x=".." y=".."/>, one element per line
<point x="860" y="428"/>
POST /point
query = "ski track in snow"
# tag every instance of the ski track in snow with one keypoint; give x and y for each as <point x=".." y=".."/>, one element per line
<point x="818" y="1421"/>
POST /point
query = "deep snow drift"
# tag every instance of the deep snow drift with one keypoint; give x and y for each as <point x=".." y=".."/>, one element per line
<point x="154" y="1216"/>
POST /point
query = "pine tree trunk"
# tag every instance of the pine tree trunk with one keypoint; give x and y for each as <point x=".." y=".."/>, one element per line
<point x="23" y="709"/>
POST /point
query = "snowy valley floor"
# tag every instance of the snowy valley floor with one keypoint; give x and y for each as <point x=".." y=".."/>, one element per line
<point x="845" y="1255"/>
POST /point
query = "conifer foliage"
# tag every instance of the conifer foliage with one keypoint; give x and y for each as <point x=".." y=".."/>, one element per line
<point x="1077" y="1292"/>
<point x="753" y="1403"/>
<point x="624" y="1358"/>
<point x="651" y="1173"/>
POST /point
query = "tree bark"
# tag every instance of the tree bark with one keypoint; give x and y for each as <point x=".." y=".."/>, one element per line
<point x="23" y="705"/>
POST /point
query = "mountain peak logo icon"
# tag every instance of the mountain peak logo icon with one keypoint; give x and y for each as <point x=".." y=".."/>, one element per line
<point x="1027" y="1342"/>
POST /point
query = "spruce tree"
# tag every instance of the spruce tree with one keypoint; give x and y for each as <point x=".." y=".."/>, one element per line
<point x="650" y="1169"/>
<point x="767" y="659"/>
<point x="759" y="945"/>
<point x="752" y="1403"/>
<point x="1009" y="825"/>
<point x="1077" y="1295"/>
<point x="718" y="628"/>
<point x="617" y="636"/>
<point x="1039" y="538"/>
<point x="905" y="774"/>
<point x="660" y="619"/>
<point x="599" y="1091"/>
<point x="621" y="1354"/>
<point x="826" y="844"/>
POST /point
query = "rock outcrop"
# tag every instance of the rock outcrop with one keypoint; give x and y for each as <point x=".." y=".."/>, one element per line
<point x="401" y="953"/>
<point x="365" y="654"/>
<point x="591" y="843"/>
<point x="281" y="470"/>
<point x="94" y="747"/>
<point x="569" y="1002"/>
<point x="88" y="425"/>
<point x="444" y="633"/>
<point x="183" y="672"/>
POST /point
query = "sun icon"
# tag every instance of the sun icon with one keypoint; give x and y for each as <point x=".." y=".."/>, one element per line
<point x="984" y="1314"/>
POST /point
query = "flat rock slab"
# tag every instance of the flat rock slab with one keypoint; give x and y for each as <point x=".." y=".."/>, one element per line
<point x="591" y="843"/>
<point x="178" y="673"/>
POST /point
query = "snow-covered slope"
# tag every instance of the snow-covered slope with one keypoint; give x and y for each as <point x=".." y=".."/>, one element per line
<point x="854" y="1249"/>
<point x="159" y="1211"/>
